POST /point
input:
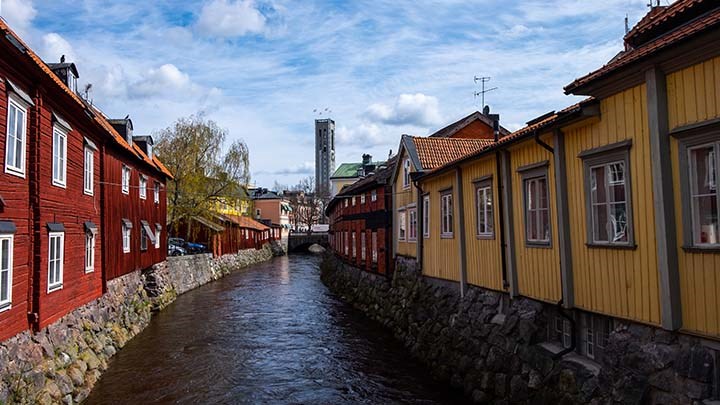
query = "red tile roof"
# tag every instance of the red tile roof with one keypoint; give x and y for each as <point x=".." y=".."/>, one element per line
<point x="98" y="115"/>
<point x="662" y="41"/>
<point x="434" y="152"/>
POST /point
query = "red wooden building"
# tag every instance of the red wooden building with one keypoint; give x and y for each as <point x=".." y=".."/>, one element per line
<point x="56" y="200"/>
<point x="227" y="234"/>
<point x="359" y="217"/>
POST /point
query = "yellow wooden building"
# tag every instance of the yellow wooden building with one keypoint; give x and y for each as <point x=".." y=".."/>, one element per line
<point x="609" y="207"/>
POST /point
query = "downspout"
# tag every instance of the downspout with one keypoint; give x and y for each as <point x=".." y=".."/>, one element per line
<point x="461" y="230"/>
<point x="35" y="252"/>
<point x="420" y="229"/>
<point x="501" y="219"/>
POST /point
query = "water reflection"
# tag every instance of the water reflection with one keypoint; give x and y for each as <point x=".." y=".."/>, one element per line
<point x="271" y="334"/>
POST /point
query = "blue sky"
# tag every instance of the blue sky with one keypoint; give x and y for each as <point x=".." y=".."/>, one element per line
<point x="384" y="68"/>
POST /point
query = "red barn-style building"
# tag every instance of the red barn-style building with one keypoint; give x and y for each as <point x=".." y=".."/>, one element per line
<point x="57" y="205"/>
<point x="359" y="216"/>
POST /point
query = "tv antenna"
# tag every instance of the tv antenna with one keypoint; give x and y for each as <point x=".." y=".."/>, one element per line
<point x="481" y="93"/>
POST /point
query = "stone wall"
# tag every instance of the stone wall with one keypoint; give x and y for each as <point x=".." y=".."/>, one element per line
<point x="61" y="363"/>
<point x="497" y="350"/>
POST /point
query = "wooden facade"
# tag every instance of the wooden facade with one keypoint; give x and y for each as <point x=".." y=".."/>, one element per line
<point x="55" y="193"/>
<point x="404" y="199"/>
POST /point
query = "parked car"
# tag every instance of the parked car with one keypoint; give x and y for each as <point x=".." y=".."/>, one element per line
<point x="174" y="250"/>
<point x="189" y="247"/>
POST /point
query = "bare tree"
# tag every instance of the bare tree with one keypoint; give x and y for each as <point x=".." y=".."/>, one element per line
<point x="307" y="207"/>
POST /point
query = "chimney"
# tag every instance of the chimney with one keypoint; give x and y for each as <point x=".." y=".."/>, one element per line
<point x="366" y="159"/>
<point x="66" y="72"/>
<point x="486" y="110"/>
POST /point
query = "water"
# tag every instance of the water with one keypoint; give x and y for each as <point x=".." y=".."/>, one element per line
<point x="269" y="334"/>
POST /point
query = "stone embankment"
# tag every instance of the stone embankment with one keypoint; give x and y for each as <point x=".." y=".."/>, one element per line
<point x="62" y="362"/>
<point x="496" y="350"/>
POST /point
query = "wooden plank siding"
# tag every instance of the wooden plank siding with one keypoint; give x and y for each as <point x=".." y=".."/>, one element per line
<point x="15" y="192"/>
<point x="484" y="256"/>
<point x="441" y="256"/>
<point x="70" y="206"/>
<point x="130" y="206"/>
<point x="538" y="268"/>
<point x="617" y="282"/>
<point x="402" y="198"/>
<point x="694" y="96"/>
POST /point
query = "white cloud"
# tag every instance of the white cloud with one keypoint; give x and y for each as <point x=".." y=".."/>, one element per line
<point x="409" y="109"/>
<point x="18" y="13"/>
<point x="364" y="134"/>
<point x="54" y="46"/>
<point x="166" y="79"/>
<point x="305" y="168"/>
<point x="230" y="18"/>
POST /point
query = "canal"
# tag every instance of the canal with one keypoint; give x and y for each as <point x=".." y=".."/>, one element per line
<point x="270" y="334"/>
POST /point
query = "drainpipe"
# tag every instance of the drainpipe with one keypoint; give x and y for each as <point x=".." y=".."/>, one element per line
<point x="501" y="220"/>
<point x="35" y="256"/>
<point x="420" y="231"/>
<point x="461" y="231"/>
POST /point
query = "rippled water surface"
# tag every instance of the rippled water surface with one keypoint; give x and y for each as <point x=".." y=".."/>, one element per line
<point x="269" y="334"/>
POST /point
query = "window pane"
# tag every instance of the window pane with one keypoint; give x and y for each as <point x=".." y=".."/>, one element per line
<point x="618" y="222"/>
<point x="542" y="193"/>
<point x="531" y="225"/>
<point x="597" y="184"/>
<point x="703" y="162"/>
<point x="705" y="213"/>
<point x="544" y="224"/>
<point x="530" y="190"/>
<point x="600" y="223"/>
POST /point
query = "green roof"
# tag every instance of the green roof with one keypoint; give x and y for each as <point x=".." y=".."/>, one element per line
<point x="350" y="170"/>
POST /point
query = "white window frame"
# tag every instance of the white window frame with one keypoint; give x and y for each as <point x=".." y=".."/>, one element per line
<point x="10" y="167"/>
<point x="446" y="215"/>
<point x="346" y="243"/>
<point x="485" y="220"/>
<point x="402" y="224"/>
<point x="126" y="172"/>
<point x="6" y="304"/>
<point x="89" y="171"/>
<point x="156" y="193"/>
<point x="363" y="246"/>
<point x="712" y="179"/>
<point x="353" y="201"/>
<point x="354" y="244"/>
<point x="426" y="216"/>
<point x="589" y="337"/>
<point x="59" y="156"/>
<point x="362" y="198"/>
<point x="406" y="173"/>
<point x="142" y="181"/>
<point x="373" y="195"/>
<point x="412" y="224"/>
<point x="373" y="242"/>
<point x="157" y="237"/>
<point x="89" y="251"/>
<point x="126" y="237"/>
<point x="55" y="277"/>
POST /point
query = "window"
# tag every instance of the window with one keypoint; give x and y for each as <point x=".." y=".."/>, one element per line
<point x="373" y="242"/>
<point x="484" y="209"/>
<point x="156" y="193"/>
<point x="88" y="183"/>
<point x="353" y="201"/>
<point x="59" y="168"/>
<point x="125" y="180"/>
<point x="158" y="230"/>
<point x="346" y="202"/>
<point x="607" y="195"/>
<point x="589" y="338"/>
<point x="143" y="187"/>
<point x="55" y="261"/>
<point x="606" y="327"/>
<point x="412" y="216"/>
<point x="401" y="225"/>
<point x="6" y="268"/>
<point x="363" y="247"/>
<point x="362" y="198"/>
<point x="126" y="228"/>
<point x="373" y="195"/>
<point x="89" y="252"/>
<point x="143" y="238"/>
<point x="536" y="204"/>
<point x="345" y="242"/>
<point x="426" y="216"/>
<point x="446" y="215"/>
<point x="16" y="138"/>
<point x="406" y="174"/>
<point x="704" y="167"/>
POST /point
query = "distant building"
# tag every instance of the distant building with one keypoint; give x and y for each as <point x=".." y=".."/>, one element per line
<point x="272" y="209"/>
<point x="324" y="155"/>
<point x="349" y="173"/>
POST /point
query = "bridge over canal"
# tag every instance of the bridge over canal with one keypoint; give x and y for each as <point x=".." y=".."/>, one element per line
<point x="300" y="242"/>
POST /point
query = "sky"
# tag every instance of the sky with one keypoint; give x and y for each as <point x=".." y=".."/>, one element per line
<point x="266" y="69"/>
